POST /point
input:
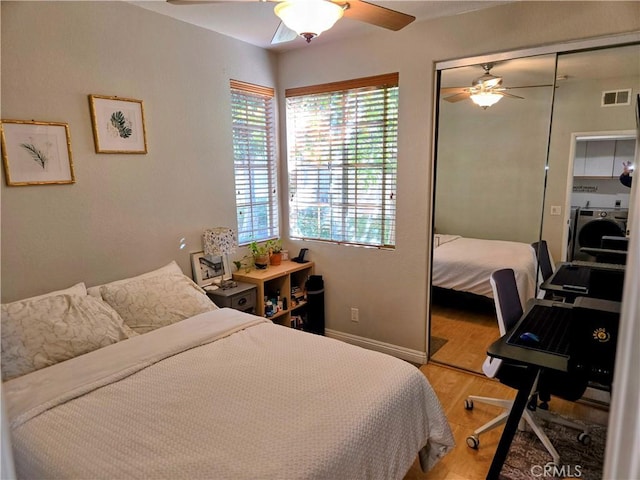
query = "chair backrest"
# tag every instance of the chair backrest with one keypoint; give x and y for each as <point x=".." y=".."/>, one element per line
<point x="506" y="298"/>
<point x="544" y="258"/>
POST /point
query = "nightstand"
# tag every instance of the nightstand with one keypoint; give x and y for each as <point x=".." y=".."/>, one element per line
<point x="242" y="297"/>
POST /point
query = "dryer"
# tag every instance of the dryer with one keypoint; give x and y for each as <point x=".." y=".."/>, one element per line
<point x="591" y="224"/>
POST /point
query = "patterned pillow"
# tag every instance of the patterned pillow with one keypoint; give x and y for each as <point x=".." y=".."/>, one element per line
<point x="39" y="333"/>
<point x="77" y="289"/>
<point x="155" y="301"/>
<point x="170" y="268"/>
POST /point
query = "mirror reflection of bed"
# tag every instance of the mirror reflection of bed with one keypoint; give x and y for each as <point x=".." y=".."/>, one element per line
<point x="498" y="169"/>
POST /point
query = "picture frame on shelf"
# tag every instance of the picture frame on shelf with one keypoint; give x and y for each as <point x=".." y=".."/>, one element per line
<point x="36" y="153"/>
<point x="118" y="124"/>
<point x="206" y="268"/>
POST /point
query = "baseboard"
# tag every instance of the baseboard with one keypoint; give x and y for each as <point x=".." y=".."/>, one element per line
<point x="413" y="356"/>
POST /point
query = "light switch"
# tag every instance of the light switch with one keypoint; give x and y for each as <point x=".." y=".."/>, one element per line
<point x="556" y="210"/>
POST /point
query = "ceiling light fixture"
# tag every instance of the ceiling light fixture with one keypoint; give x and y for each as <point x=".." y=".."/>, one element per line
<point x="485" y="99"/>
<point x="309" y="18"/>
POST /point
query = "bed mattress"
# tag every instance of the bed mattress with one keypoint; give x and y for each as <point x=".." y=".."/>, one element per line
<point x="225" y="395"/>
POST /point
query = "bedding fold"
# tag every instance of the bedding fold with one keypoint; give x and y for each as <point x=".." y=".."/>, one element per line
<point x="226" y="395"/>
<point x="31" y="394"/>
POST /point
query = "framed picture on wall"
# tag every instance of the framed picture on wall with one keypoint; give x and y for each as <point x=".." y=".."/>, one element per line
<point x="118" y="124"/>
<point x="206" y="268"/>
<point x="36" y="153"/>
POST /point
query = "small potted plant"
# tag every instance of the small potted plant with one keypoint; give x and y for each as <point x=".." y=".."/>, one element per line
<point x="260" y="254"/>
<point x="275" y="248"/>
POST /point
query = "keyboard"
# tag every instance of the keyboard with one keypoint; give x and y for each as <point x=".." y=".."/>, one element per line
<point x="552" y="325"/>
<point x="573" y="277"/>
<point x="599" y="265"/>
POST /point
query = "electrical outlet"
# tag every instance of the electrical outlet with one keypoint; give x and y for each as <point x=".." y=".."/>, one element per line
<point x="556" y="210"/>
<point x="355" y="315"/>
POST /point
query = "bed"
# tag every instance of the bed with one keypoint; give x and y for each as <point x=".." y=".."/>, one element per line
<point x="465" y="264"/>
<point x="217" y="394"/>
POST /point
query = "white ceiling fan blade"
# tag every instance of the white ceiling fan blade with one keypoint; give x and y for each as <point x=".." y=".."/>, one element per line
<point x="283" y="34"/>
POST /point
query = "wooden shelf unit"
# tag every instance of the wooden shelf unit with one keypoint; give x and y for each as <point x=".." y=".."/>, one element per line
<point x="278" y="278"/>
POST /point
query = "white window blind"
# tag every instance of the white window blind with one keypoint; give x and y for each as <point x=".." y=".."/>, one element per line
<point x="254" y="160"/>
<point x="342" y="160"/>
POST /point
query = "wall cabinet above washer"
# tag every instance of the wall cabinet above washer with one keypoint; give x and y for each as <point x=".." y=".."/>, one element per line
<point x="602" y="158"/>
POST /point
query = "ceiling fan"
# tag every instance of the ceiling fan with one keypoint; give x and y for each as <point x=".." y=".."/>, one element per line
<point x="309" y="18"/>
<point x="486" y="90"/>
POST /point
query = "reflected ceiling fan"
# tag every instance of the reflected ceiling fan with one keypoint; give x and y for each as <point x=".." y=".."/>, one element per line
<point x="485" y="90"/>
<point x="309" y="18"/>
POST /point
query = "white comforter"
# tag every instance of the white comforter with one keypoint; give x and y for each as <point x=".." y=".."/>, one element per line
<point x="465" y="264"/>
<point x="225" y="395"/>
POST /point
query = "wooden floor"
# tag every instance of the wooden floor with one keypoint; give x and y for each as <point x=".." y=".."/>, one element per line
<point x="468" y="324"/>
<point x="452" y="387"/>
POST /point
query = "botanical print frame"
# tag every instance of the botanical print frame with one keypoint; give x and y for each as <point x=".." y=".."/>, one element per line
<point x="118" y="124"/>
<point x="206" y="268"/>
<point x="36" y="153"/>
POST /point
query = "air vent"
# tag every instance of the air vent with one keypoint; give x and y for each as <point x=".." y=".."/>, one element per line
<point x="616" y="97"/>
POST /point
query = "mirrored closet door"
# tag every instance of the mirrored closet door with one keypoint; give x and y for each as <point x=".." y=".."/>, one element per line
<point x="500" y="171"/>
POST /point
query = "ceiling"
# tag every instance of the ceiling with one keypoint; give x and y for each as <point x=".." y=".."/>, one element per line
<point x="254" y="21"/>
<point x="617" y="62"/>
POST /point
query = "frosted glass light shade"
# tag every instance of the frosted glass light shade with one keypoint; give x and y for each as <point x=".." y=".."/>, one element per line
<point x="309" y="18"/>
<point x="485" y="99"/>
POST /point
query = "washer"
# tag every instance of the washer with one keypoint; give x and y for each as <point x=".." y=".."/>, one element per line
<point x="594" y="223"/>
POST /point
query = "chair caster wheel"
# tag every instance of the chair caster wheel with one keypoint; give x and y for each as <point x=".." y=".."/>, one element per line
<point x="473" y="442"/>
<point x="584" y="438"/>
<point x="468" y="404"/>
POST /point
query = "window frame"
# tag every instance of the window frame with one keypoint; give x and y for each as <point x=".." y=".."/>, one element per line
<point x="248" y="170"/>
<point x="380" y="86"/>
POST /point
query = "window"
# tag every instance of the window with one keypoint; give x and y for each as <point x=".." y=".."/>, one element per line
<point x="254" y="161"/>
<point x="342" y="142"/>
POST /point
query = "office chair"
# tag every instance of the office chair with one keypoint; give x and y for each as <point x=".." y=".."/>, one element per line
<point x="509" y="310"/>
<point x="546" y="267"/>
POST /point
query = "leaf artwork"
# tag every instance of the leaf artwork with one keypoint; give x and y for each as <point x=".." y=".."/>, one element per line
<point x="35" y="153"/>
<point x="119" y="121"/>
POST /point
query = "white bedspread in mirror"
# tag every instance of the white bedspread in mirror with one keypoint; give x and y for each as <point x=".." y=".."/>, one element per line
<point x="465" y="264"/>
<point x="225" y="395"/>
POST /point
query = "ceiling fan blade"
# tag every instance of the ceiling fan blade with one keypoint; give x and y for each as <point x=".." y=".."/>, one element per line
<point x="376" y="15"/>
<point x="453" y="90"/>
<point x="508" y="95"/>
<point x="458" y="97"/>
<point x="203" y="2"/>
<point x="528" y="86"/>
<point x="283" y="34"/>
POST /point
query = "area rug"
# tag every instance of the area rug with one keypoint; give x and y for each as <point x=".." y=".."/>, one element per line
<point x="435" y="344"/>
<point x="527" y="457"/>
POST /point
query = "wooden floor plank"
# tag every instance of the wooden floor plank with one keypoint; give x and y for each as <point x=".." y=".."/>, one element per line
<point x="452" y="386"/>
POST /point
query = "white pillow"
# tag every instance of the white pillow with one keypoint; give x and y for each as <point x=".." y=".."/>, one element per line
<point x="77" y="289"/>
<point x="152" y="301"/>
<point x="167" y="269"/>
<point x="39" y="333"/>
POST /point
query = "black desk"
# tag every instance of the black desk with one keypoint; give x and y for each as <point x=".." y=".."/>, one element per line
<point x="567" y="337"/>
<point x="586" y="279"/>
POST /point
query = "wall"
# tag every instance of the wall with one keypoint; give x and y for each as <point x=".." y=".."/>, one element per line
<point x="577" y="110"/>
<point x="125" y="214"/>
<point x="484" y="155"/>
<point x="390" y="287"/>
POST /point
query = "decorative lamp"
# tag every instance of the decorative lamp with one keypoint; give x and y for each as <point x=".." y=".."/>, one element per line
<point x="309" y="18"/>
<point x="221" y="241"/>
<point x="485" y="99"/>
